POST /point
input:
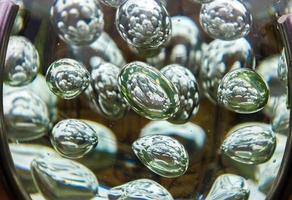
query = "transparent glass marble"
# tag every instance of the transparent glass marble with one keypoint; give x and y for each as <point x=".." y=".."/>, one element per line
<point x="144" y="23"/>
<point x="104" y="48"/>
<point x="282" y="68"/>
<point x="67" y="78"/>
<point x="243" y="91"/>
<point x="26" y="115"/>
<point x="190" y="135"/>
<point x="113" y="3"/>
<point x="250" y="143"/>
<point x="229" y="186"/>
<point x="219" y="57"/>
<point x="77" y="22"/>
<point x="73" y="138"/>
<point x="142" y="189"/>
<point x="162" y="154"/>
<point x="225" y="19"/>
<point x="21" y="62"/>
<point x="23" y="155"/>
<point x="188" y="89"/>
<point x="105" y="96"/>
<point x="62" y="179"/>
<point x="148" y="91"/>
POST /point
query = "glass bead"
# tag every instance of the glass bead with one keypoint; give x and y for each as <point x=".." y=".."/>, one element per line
<point x="62" y="179"/>
<point x="226" y="19"/>
<point x="144" y="23"/>
<point x="26" y="115"/>
<point x="67" y="78"/>
<point x="21" y="62"/>
<point x="250" y="143"/>
<point x="147" y="91"/>
<point x="142" y="189"/>
<point x="73" y="138"/>
<point x="219" y="57"/>
<point x="229" y="186"/>
<point x="281" y="118"/>
<point x="192" y="136"/>
<point x="162" y="154"/>
<point x="243" y="91"/>
<point x="77" y="22"/>
<point x="188" y="89"/>
<point x="105" y="96"/>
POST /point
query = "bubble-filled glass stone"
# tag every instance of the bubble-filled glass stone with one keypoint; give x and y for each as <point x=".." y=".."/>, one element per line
<point x="243" y="91"/>
<point x="142" y="189"/>
<point x="26" y="115"/>
<point x="73" y="138"/>
<point x="226" y="20"/>
<point x="21" y="62"/>
<point x="23" y="155"/>
<point x="105" y="95"/>
<point x="282" y="68"/>
<point x="188" y="89"/>
<point x="219" y="57"/>
<point x="144" y="23"/>
<point x="148" y="91"/>
<point x="192" y="136"/>
<point x="162" y="154"/>
<point x="77" y="22"/>
<point x="250" y="143"/>
<point x="113" y="3"/>
<point x="67" y="78"/>
<point x="62" y="179"/>
<point x="229" y="186"/>
<point x="104" y="48"/>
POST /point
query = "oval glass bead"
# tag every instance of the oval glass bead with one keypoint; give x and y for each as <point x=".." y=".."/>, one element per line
<point x="243" y="91"/>
<point x="163" y="155"/>
<point x="105" y="95"/>
<point x="142" y="189"/>
<point x="144" y="23"/>
<point x="77" y="22"/>
<point x="148" y="91"/>
<point x="62" y="179"/>
<point x="67" y="78"/>
<point x="21" y="62"/>
<point x="225" y="20"/>
<point x="26" y="115"/>
<point x="219" y="57"/>
<point x="250" y="143"/>
<point x="73" y="138"/>
<point x="188" y="89"/>
<point x="192" y="136"/>
<point x="229" y="186"/>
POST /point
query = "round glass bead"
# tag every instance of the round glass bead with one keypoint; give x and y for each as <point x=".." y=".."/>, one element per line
<point x="73" y="138"/>
<point x="148" y="91"/>
<point x="67" y="78"/>
<point x="21" y="62"/>
<point x="77" y="22"/>
<point x="144" y="23"/>
<point x="225" y="19"/>
<point x="243" y="91"/>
